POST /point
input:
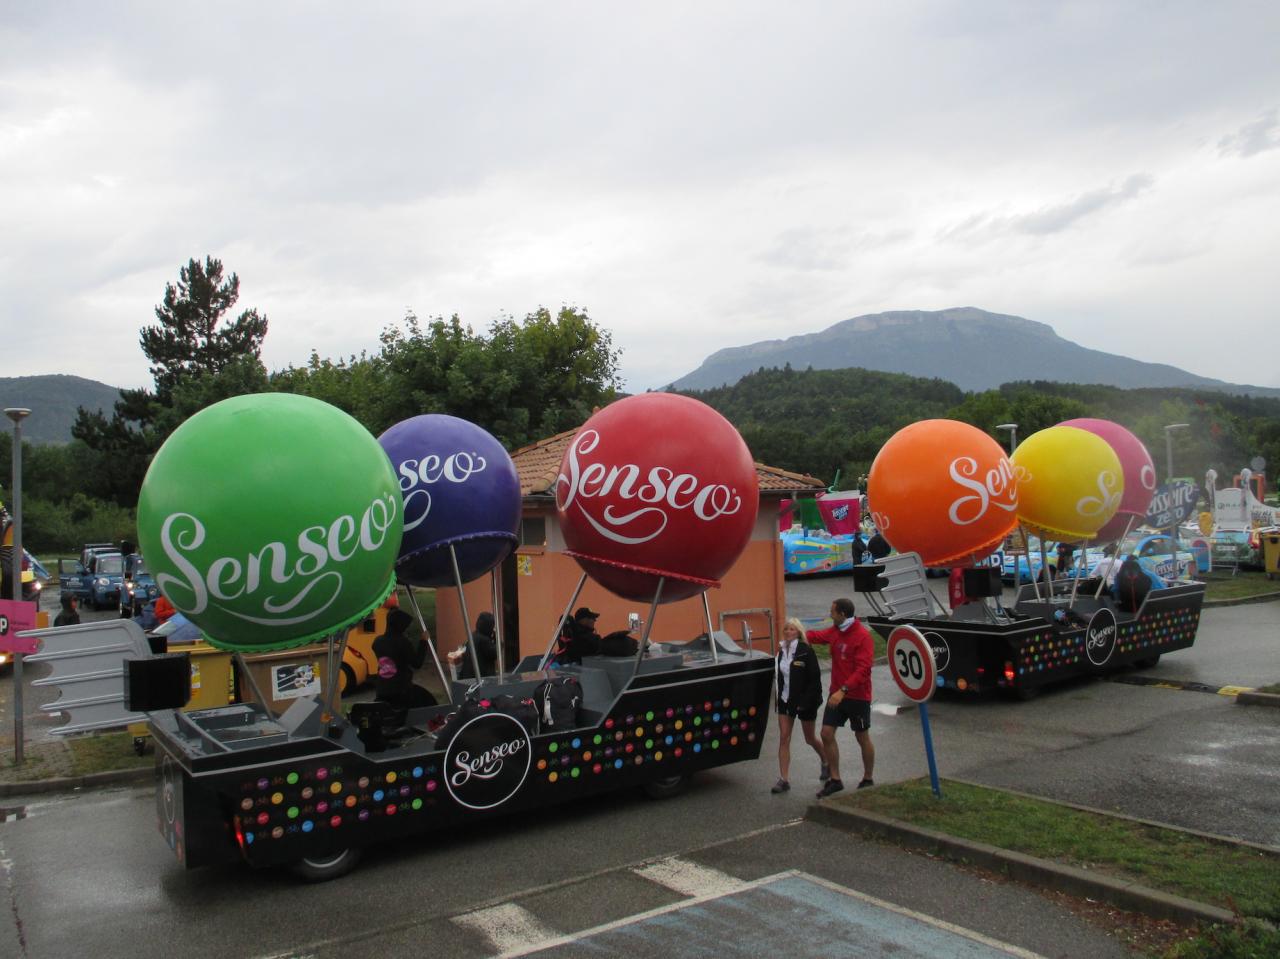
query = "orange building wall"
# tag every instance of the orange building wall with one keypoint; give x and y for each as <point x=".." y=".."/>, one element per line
<point x="546" y="578"/>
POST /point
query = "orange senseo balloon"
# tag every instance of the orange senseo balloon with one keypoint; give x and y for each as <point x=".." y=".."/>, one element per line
<point x="945" y="490"/>
<point x="1070" y="482"/>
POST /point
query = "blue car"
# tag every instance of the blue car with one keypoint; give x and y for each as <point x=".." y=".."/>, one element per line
<point x="1157" y="556"/>
<point x="1018" y="569"/>
<point x="98" y="576"/>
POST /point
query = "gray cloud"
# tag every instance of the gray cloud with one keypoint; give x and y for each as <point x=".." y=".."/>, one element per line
<point x="1055" y="218"/>
<point x="1257" y="137"/>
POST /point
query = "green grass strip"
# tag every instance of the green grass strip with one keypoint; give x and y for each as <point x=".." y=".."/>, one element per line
<point x="1234" y="877"/>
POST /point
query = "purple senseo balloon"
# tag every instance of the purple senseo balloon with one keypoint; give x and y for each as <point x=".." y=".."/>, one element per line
<point x="1139" y="474"/>
<point x="460" y="488"/>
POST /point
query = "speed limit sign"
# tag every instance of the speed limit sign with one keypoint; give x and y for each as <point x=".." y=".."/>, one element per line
<point x="912" y="664"/>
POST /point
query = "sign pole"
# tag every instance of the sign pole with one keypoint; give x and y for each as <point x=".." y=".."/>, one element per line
<point x="928" y="749"/>
<point x="915" y="670"/>
<point x="17" y="415"/>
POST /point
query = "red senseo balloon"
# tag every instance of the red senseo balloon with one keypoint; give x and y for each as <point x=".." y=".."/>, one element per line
<point x="943" y="489"/>
<point x="657" y="485"/>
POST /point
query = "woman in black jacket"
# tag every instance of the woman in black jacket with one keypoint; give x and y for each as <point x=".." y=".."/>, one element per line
<point x="799" y="678"/>
<point x="486" y="642"/>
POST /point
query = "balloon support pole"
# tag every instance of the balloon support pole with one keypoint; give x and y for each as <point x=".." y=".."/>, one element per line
<point x="466" y="617"/>
<point x="1111" y="568"/>
<point x="336" y="651"/>
<point x="435" y="656"/>
<point x="928" y="749"/>
<point x="495" y="586"/>
<point x="243" y="666"/>
<point x="648" y="626"/>
<point x="564" y="618"/>
<point x="711" y="639"/>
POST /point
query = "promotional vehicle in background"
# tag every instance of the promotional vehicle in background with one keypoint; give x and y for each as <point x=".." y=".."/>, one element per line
<point x="1158" y="553"/>
<point x="98" y="576"/>
<point x="1018" y="568"/>
<point x="804" y="553"/>
<point x="138" y="588"/>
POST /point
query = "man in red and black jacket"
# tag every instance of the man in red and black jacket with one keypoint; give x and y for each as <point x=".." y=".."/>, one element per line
<point x="851" y="653"/>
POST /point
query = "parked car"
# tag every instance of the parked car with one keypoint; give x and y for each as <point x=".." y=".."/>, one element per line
<point x="1019" y="568"/>
<point x="98" y="576"/>
<point x="1156" y="555"/>
<point x="139" y="586"/>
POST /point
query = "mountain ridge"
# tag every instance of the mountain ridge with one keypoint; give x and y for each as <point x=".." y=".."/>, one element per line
<point x="53" y="399"/>
<point x="954" y="345"/>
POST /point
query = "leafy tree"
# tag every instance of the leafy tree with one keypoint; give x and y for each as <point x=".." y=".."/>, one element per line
<point x="197" y="357"/>
<point x="523" y="381"/>
<point x="192" y="337"/>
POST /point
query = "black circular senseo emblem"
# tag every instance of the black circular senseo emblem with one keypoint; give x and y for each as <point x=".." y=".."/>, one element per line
<point x="487" y="761"/>
<point x="1100" y="637"/>
<point x="941" y="651"/>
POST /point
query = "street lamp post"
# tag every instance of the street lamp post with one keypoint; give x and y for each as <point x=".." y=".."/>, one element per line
<point x="17" y="414"/>
<point x="1013" y="434"/>
<point x="1168" y="447"/>
<point x="1168" y="478"/>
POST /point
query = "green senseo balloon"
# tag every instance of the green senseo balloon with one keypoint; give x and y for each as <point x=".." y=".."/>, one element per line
<point x="271" y="520"/>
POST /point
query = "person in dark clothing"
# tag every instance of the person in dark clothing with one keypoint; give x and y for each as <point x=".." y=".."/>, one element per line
<point x="878" y="546"/>
<point x="68" y="615"/>
<point x="858" y="548"/>
<point x="1066" y="554"/>
<point x="485" y="641"/>
<point x="398" y="657"/>
<point x="1132" y="585"/>
<point x="579" y="637"/>
<point x="799" y="685"/>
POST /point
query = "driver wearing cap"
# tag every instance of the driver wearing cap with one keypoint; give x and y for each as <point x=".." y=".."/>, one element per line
<point x="579" y="638"/>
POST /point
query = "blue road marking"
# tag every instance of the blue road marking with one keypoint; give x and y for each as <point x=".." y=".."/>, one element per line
<point x="791" y="914"/>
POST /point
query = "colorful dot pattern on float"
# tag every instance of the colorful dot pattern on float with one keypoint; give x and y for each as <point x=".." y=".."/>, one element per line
<point x="1158" y="630"/>
<point x="1048" y="651"/>
<point x="662" y="735"/>
<point x="325" y="798"/>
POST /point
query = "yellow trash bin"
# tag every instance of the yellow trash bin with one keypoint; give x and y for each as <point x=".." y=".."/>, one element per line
<point x="1270" y="550"/>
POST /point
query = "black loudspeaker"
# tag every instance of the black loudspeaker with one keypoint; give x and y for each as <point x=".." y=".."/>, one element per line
<point x="982" y="581"/>
<point x="867" y="578"/>
<point x="157" y="682"/>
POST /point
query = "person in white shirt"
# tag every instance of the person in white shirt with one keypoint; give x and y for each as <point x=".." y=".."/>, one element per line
<point x="799" y="678"/>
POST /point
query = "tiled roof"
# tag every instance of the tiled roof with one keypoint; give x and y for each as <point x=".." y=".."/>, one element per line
<point x="538" y="464"/>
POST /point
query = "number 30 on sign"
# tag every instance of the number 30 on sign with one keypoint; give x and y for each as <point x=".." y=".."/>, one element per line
<point x="912" y="664"/>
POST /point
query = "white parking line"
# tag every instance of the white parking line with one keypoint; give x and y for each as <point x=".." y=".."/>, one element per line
<point x="688" y="878"/>
<point x="508" y="927"/>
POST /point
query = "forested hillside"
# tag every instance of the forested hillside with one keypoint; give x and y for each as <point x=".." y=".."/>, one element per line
<point x="824" y="421"/>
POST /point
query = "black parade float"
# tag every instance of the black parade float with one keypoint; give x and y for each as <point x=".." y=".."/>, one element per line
<point x="274" y="520"/>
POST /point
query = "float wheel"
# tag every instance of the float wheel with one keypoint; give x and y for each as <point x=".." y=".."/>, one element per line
<point x="666" y="788"/>
<point x="324" y="868"/>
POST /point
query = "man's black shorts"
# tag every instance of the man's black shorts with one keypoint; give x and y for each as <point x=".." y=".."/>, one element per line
<point x="857" y="711"/>
<point x="795" y="712"/>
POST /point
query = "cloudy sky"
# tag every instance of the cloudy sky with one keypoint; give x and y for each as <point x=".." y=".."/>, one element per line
<point x="696" y="175"/>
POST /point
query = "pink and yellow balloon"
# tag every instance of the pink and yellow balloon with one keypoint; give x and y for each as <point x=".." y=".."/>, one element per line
<point x="943" y="489"/>
<point x="1070" y="483"/>
<point x="1139" y="475"/>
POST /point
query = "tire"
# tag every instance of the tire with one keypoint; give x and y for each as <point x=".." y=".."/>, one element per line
<point x="324" y="868"/>
<point x="667" y="788"/>
<point x="1025" y="694"/>
<point x="346" y="681"/>
<point x="1146" y="663"/>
